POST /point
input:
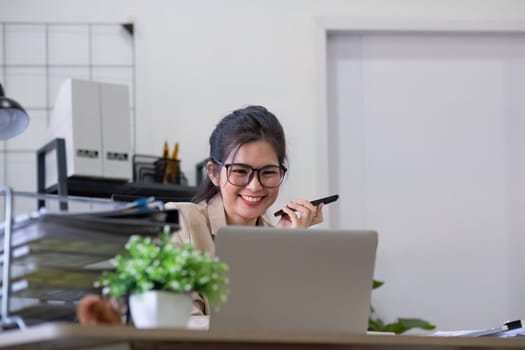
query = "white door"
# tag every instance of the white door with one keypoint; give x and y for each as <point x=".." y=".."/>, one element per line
<point x="426" y="139"/>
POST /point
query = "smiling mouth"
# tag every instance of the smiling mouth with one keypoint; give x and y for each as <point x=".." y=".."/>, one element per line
<point x="251" y="199"/>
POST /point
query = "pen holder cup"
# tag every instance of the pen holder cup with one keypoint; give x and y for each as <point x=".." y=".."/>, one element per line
<point x="168" y="171"/>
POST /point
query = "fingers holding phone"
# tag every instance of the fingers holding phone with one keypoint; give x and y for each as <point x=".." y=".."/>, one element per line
<point x="300" y="214"/>
<point x="304" y="213"/>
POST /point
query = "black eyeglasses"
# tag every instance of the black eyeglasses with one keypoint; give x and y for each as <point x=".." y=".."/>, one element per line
<point x="240" y="174"/>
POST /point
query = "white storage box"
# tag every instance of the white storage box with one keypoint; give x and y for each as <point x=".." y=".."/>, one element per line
<point x="93" y="118"/>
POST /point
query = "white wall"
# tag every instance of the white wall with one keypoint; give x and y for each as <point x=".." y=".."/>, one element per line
<point x="197" y="60"/>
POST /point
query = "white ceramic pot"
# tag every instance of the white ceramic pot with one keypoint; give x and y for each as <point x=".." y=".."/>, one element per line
<point x="160" y="309"/>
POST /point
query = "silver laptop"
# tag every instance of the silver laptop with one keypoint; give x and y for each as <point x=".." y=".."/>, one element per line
<point x="296" y="280"/>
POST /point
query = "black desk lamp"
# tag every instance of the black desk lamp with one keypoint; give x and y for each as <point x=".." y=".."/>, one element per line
<point x="13" y="118"/>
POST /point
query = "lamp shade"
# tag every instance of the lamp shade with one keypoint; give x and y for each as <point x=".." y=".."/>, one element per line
<point x="13" y="118"/>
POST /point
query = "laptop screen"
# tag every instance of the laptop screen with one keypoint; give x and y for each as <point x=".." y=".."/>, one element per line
<point x="295" y="279"/>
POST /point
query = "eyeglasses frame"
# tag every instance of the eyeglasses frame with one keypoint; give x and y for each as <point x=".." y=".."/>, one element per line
<point x="252" y="174"/>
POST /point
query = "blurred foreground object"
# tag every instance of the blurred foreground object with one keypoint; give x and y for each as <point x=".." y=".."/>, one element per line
<point x="93" y="310"/>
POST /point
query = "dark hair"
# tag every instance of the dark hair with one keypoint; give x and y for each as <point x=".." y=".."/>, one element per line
<point x="245" y="125"/>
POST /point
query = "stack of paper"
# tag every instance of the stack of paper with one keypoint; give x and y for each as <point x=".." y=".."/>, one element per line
<point x="56" y="257"/>
<point x="508" y="329"/>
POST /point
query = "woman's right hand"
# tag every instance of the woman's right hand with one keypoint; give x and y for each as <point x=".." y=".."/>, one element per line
<point x="301" y="214"/>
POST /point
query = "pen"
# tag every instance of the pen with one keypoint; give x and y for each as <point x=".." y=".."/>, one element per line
<point x="170" y="173"/>
<point x="175" y="152"/>
<point x="165" y="150"/>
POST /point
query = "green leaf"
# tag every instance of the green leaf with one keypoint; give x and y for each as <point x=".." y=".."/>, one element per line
<point x="377" y="284"/>
<point x="375" y="325"/>
<point x="416" y="323"/>
<point x="404" y="324"/>
<point x="400" y="326"/>
<point x="395" y="327"/>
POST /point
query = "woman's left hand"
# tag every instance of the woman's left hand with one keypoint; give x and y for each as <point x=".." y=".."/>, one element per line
<point x="301" y="214"/>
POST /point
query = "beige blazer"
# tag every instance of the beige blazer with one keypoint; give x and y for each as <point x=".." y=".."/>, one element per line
<point x="198" y="225"/>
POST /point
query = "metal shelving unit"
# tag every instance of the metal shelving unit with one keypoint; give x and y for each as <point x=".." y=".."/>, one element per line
<point x="7" y="319"/>
<point x="100" y="187"/>
<point x="52" y="258"/>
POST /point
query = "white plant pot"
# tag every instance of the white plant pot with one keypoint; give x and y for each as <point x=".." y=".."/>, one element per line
<point x="160" y="309"/>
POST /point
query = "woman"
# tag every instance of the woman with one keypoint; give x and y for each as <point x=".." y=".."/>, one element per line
<point x="245" y="170"/>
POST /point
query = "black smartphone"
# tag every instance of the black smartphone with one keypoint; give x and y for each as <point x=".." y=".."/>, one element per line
<point x="316" y="202"/>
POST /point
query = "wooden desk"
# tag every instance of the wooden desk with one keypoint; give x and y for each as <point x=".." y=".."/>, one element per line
<point x="73" y="336"/>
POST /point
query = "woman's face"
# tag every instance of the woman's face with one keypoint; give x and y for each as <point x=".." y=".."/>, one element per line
<point x="244" y="204"/>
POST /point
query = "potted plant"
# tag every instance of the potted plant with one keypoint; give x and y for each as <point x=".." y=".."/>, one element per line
<point x="400" y="326"/>
<point x="160" y="276"/>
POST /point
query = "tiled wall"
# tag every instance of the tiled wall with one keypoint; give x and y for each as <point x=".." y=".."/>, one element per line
<point x="35" y="58"/>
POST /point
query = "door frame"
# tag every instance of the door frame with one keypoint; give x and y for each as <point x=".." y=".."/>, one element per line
<point x="354" y="25"/>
